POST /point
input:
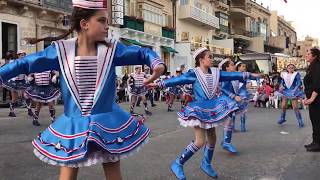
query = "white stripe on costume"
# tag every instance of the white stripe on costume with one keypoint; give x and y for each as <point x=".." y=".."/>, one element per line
<point x="43" y="78"/>
<point x="208" y="82"/>
<point x="86" y="67"/>
<point x="288" y="78"/>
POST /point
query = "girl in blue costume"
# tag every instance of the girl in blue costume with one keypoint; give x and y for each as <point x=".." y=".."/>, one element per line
<point x="16" y="86"/>
<point x="175" y="92"/>
<point x="244" y="95"/>
<point x="93" y="128"/>
<point x="230" y="89"/>
<point x="42" y="91"/>
<point x="207" y="111"/>
<point x="291" y="88"/>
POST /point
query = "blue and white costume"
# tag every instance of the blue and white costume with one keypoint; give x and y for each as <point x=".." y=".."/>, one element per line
<point x="187" y="90"/>
<point x="208" y="109"/>
<point x="81" y="136"/>
<point x="16" y="84"/>
<point x="176" y="90"/>
<point x="42" y="89"/>
<point x="290" y="86"/>
<point x="237" y="88"/>
<point x="137" y="87"/>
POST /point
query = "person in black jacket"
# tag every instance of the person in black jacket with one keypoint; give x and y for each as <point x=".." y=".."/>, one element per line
<point x="312" y="90"/>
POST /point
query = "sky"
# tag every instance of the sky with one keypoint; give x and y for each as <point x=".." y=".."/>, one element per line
<point x="304" y="13"/>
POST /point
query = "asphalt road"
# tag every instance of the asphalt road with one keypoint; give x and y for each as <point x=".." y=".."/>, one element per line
<point x="267" y="151"/>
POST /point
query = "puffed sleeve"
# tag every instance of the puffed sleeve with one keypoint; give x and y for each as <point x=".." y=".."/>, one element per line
<point x="316" y="78"/>
<point x="230" y="76"/>
<point x="135" y="55"/>
<point x="185" y="78"/>
<point x="37" y="62"/>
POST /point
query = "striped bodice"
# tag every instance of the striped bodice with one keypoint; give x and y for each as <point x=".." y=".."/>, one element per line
<point x="209" y="82"/>
<point x="43" y="78"/>
<point x="86" y="75"/>
<point x="138" y="79"/>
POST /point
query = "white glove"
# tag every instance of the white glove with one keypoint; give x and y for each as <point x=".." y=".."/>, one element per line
<point x="30" y="78"/>
<point x="54" y="79"/>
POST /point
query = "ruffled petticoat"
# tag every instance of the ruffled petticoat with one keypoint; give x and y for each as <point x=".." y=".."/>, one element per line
<point x="17" y="85"/>
<point x="96" y="157"/>
<point x="208" y="113"/>
<point x="87" y="140"/>
<point x="42" y="94"/>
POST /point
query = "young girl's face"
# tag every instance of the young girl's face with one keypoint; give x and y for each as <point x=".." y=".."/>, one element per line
<point x="231" y="67"/>
<point x="206" y="61"/>
<point x="242" y="68"/>
<point x="290" y="68"/>
<point x="96" y="27"/>
<point x="138" y="70"/>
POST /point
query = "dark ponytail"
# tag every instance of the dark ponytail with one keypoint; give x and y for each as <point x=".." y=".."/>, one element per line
<point x="77" y="15"/>
<point x="199" y="56"/>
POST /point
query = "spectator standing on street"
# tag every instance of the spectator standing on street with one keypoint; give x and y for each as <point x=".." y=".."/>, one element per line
<point x="312" y="90"/>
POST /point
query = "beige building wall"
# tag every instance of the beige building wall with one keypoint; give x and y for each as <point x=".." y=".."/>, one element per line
<point x="257" y="44"/>
<point x="31" y="23"/>
<point x="189" y="31"/>
<point x="307" y="43"/>
<point x="280" y="30"/>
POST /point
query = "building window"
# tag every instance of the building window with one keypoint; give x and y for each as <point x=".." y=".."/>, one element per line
<point x="223" y="21"/>
<point x="184" y="2"/>
<point x="127" y="7"/>
<point x="9" y="38"/>
<point x="152" y="14"/>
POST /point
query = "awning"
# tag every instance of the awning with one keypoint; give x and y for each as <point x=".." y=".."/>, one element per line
<point x="131" y="41"/>
<point x="169" y="49"/>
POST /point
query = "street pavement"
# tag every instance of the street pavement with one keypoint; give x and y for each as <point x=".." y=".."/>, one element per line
<point x="266" y="152"/>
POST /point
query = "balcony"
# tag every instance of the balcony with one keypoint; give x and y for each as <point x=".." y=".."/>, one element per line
<point x="240" y="11"/>
<point x="168" y="32"/>
<point x="277" y="42"/>
<point x="224" y="29"/>
<point x="241" y="34"/>
<point x="221" y="5"/>
<point x="133" y="23"/>
<point x="196" y="15"/>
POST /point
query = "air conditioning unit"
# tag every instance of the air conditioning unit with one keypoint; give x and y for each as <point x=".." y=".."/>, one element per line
<point x="185" y="36"/>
